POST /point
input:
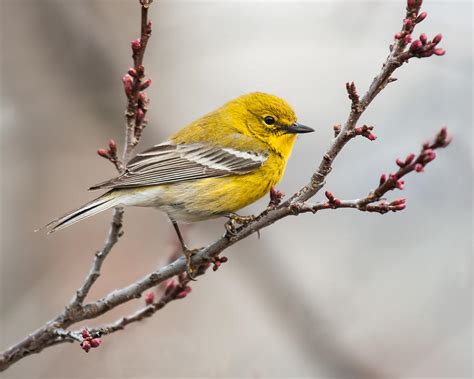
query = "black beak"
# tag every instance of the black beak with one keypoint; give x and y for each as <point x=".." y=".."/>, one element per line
<point x="297" y="128"/>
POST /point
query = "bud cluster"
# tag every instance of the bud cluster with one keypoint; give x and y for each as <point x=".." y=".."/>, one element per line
<point x="365" y="131"/>
<point x="421" y="47"/>
<point x="88" y="341"/>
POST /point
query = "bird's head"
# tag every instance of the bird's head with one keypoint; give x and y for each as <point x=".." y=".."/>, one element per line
<point x="268" y="118"/>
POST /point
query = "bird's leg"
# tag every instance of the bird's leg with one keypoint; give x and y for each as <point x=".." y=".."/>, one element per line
<point x="235" y="219"/>
<point x="187" y="252"/>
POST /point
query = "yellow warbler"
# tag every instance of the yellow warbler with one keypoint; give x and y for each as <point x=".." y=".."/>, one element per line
<point x="213" y="167"/>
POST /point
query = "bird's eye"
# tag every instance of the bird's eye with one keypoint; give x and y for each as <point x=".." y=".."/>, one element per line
<point x="269" y="120"/>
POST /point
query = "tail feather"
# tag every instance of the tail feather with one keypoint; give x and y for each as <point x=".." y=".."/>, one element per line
<point x="106" y="201"/>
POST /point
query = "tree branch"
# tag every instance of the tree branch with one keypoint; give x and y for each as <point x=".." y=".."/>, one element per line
<point x="55" y="331"/>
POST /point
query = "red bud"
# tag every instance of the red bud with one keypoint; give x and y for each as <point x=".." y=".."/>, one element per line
<point x="127" y="84"/>
<point x="437" y="38"/>
<point x="85" y="333"/>
<point x="132" y="72"/>
<point x="383" y="179"/>
<point x="439" y="52"/>
<point x="103" y="153"/>
<point x="337" y="202"/>
<point x="136" y="45"/>
<point x="409" y="158"/>
<point x="408" y="39"/>
<point x="400" y="163"/>
<point x="400" y="184"/>
<point x="86" y="346"/>
<point x="423" y="38"/>
<point x="419" y="167"/>
<point x="421" y="17"/>
<point x="95" y="342"/>
<point x="149" y="298"/>
<point x="398" y="35"/>
<point x="145" y="84"/>
<point x="416" y="45"/>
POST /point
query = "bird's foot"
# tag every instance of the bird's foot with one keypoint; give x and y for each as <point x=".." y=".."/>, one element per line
<point x="235" y="221"/>
<point x="190" y="270"/>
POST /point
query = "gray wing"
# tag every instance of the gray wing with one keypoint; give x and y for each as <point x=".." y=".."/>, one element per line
<point x="169" y="163"/>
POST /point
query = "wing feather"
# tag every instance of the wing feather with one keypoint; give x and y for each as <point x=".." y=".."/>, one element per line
<point x="170" y="163"/>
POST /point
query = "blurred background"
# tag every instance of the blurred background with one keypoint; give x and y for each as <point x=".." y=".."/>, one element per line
<point x="339" y="294"/>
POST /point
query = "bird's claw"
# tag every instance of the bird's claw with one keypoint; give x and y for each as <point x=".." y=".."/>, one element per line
<point x="189" y="268"/>
<point x="236" y="221"/>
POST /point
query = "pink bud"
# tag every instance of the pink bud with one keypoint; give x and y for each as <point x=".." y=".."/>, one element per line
<point x="224" y="259"/>
<point x="383" y="179"/>
<point x="217" y="264"/>
<point x="416" y="45"/>
<point x="414" y="3"/>
<point x="140" y="116"/>
<point x="437" y="38"/>
<point x="419" y="167"/>
<point x="439" y="52"/>
<point x="149" y="298"/>
<point x="132" y="72"/>
<point x="329" y="195"/>
<point x="409" y="158"/>
<point x="408" y="39"/>
<point x="358" y="131"/>
<point x="393" y="177"/>
<point x="145" y="84"/>
<point x="337" y="202"/>
<point x="428" y="155"/>
<point x="85" y="333"/>
<point x="398" y="35"/>
<point x="421" y="17"/>
<point x="400" y="163"/>
<point x="103" y="153"/>
<point x="398" y="201"/>
<point x="127" y="84"/>
<point x="371" y="136"/>
<point x="95" y="342"/>
<point x="423" y="38"/>
<point x="408" y="23"/>
<point x="400" y="207"/>
<point x="400" y="184"/>
<point x="86" y="346"/>
<point x="112" y="146"/>
<point x="136" y="45"/>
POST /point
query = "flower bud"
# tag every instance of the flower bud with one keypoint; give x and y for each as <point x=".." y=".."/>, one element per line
<point x="437" y="38"/>
<point x="337" y="202"/>
<point x="400" y="184"/>
<point x="421" y="17"/>
<point x="329" y="195"/>
<point x="423" y="38"/>
<point x="132" y="72"/>
<point x="398" y="35"/>
<point x="136" y="45"/>
<point x="112" y="146"/>
<point x="145" y="84"/>
<point x="86" y="346"/>
<point x="408" y="39"/>
<point x="416" y="45"/>
<point x="85" y="333"/>
<point x="400" y="163"/>
<point x="439" y="52"/>
<point x="419" y="167"/>
<point x="103" y="153"/>
<point x="127" y="84"/>
<point x="383" y="179"/>
<point x="95" y="342"/>
<point x="409" y="158"/>
<point x="149" y="298"/>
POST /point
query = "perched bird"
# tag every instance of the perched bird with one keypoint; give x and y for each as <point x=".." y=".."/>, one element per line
<point x="213" y="167"/>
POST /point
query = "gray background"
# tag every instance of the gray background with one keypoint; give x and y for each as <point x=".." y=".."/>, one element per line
<point x="339" y="294"/>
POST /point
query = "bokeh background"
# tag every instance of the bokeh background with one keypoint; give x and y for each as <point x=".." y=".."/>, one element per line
<point x="340" y="294"/>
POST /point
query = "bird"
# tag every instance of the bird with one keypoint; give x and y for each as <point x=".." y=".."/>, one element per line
<point x="211" y="168"/>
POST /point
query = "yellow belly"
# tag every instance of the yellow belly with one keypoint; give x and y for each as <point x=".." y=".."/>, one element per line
<point x="212" y="197"/>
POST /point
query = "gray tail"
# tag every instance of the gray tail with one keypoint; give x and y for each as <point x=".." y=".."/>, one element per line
<point x="106" y="201"/>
